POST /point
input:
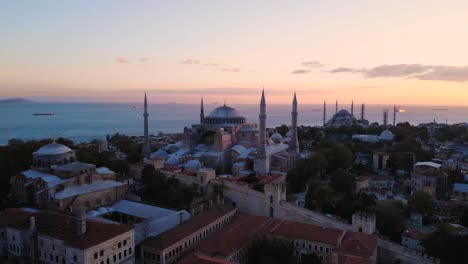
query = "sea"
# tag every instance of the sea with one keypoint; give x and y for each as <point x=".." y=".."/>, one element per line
<point x="82" y="122"/>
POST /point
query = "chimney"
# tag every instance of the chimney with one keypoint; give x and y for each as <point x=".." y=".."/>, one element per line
<point x="80" y="221"/>
<point x="181" y="217"/>
<point x="32" y="223"/>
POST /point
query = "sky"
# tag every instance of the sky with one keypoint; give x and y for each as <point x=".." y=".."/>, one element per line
<point x="377" y="52"/>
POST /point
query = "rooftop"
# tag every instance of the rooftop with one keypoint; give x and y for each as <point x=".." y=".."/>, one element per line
<point x="428" y="164"/>
<point x="95" y="186"/>
<point x="202" y="259"/>
<point x="74" y="166"/>
<point x="187" y="228"/>
<point x="53" y="149"/>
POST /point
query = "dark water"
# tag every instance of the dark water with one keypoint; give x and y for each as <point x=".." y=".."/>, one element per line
<point x="86" y="121"/>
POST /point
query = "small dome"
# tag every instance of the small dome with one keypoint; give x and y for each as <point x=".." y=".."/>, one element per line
<point x="159" y="154"/>
<point x="173" y="160"/>
<point x="276" y="137"/>
<point x="289" y="134"/>
<point x="53" y="149"/>
<point x="224" y="112"/>
<point x="193" y="164"/>
<point x="386" y="135"/>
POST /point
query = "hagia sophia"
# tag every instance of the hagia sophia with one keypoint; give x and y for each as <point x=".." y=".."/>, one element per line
<point x="224" y="140"/>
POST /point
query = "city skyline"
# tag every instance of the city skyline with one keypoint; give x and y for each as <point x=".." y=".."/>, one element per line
<point x="377" y="53"/>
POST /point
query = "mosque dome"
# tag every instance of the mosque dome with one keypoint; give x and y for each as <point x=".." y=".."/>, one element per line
<point x="386" y="135"/>
<point x="193" y="164"/>
<point x="276" y="137"/>
<point x="159" y="154"/>
<point x="224" y="115"/>
<point x="343" y="112"/>
<point x="53" y="149"/>
<point x="248" y="128"/>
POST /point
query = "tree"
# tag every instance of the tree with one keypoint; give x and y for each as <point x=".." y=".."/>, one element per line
<point x="423" y="203"/>
<point x="436" y="241"/>
<point x="311" y="258"/>
<point x="283" y="129"/>
<point x="342" y="181"/>
<point x="390" y="219"/>
<point x="464" y="218"/>
<point x="305" y="171"/>
<point x="264" y="250"/>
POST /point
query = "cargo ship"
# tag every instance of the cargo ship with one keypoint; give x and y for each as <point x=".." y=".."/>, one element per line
<point x="44" y="114"/>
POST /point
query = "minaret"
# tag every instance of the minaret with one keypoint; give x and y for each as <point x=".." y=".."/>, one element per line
<point x="146" y="146"/>
<point x="262" y="163"/>
<point x="385" y="117"/>
<point x="362" y="112"/>
<point x="294" y="145"/>
<point x="324" y="113"/>
<point x="202" y="112"/>
<point x="394" y="115"/>
<point x="336" y="107"/>
<point x="352" y="108"/>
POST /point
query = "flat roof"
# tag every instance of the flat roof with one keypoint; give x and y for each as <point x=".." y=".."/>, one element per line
<point x="95" y="186"/>
<point x="187" y="228"/>
<point x="428" y="163"/>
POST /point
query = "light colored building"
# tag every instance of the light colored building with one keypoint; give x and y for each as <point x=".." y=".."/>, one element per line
<point x="57" y="237"/>
<point x="460" y="192"/>
<point x="379" y="160"/>
<point x="169" y="246"/>
<point x="224" y="140"/>
<point x="428" y="177"/>
<point x="57" y="180"/>
<point x="412" y="239"/>
<point x="148" y="220"/>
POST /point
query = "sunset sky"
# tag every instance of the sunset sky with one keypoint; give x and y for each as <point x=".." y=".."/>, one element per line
<point x="403" y="52"/>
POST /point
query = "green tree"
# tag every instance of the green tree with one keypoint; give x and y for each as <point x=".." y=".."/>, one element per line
<point x="423" y="203"/>
<point x="264" y="250"/>
<point x="283" y="129"/>
<point x="342" y="181"/>
<point x="436" y="241"/>
<point x="311" y="258"/>
<point x="390" y="219"/>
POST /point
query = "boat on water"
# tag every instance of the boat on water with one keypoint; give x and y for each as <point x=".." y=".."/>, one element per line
<point x="44" y="114"/>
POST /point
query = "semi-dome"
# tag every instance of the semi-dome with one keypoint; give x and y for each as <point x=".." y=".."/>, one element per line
<point x="53" y="149"/>
<point x="224" y="115"/>
<point x="386" y="135"/>
<point x="159" y="154"/>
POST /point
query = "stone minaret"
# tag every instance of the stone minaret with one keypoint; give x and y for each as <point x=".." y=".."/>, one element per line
<point x="385" y="117"/>
<point x="352" y="107"/>
<point x="294" y="145"/>
<point x="146" y="145"/>
<point x="324" y="113"/>
<point x="202" y="112"/>
<point x="394" y="115"/>
<point x="336" y="107"/>
<point x="262" y="163"/>
<point x="362" y="112"/>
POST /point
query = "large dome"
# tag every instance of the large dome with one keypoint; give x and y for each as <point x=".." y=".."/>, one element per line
<point x="224" y="115"/>
<point x="53" y="149"/>
<point x="224" y="112"/>
<point x="343" y="112"/>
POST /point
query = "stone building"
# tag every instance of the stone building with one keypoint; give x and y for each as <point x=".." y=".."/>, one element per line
<point x="224" y="140"/>
<point x="32" y="236"/>
<point x="57" y="180"/>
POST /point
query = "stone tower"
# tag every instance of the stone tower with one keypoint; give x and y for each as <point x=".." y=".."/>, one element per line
<point x="362" y="112"/>
<point x="262" y="162"/>
<point x="202" y="111"/>
<point x="364" y="222"/>
<point x="336" y="107"/>
<point x="294" y="146"/>
<point x="146" y="145"/>
<point x="352" y="107"/>
<point x="394" y="114"/>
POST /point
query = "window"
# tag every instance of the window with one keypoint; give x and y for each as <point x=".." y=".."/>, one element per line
<point x="321" y="248"/>
<point x="125" y="242"/>
<point x="115" y="258"/>
<point x="120" y="255"/>
<point x="101" y="253"/>
<point x="53" y="246"/>
<point x="120" y="244"/>
<point x="51" y="257"/>
<point x="95" y="255"/>
<point x="75" y="258"/>
<point x="57" y="259"/>
<point x="125" y="253"/>
<point x="107" y="261"/>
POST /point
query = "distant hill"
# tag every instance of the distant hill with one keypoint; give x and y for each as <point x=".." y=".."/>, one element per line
<point x="15" y="101"/>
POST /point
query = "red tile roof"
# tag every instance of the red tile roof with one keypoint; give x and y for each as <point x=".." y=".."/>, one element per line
<point x="62" y="226"/>
<point x="15" y="218"/>
<point x="187" y="228"/>
<point x="202" y="259"/>
<point x="358" y="244"/>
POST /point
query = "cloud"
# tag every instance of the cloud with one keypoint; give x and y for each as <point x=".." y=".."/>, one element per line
<point x="230" y="70"/>
<point x="190" y="61"/>
<point x="412" y="71"/>
<point x="344" y="69"/>
<point x="121" y="60"/>
<point x="300" y="71"/>
<point x="312" y="64"/>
